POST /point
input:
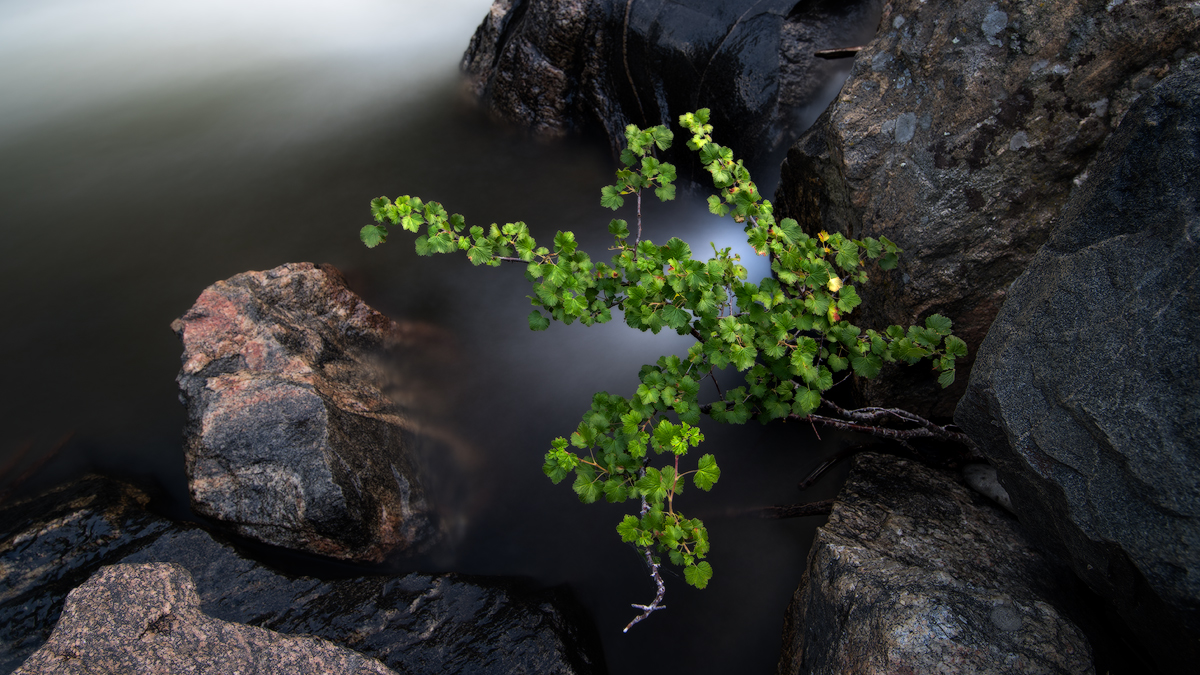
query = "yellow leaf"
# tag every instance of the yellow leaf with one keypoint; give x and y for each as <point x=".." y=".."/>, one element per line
<point x="823" y="236"/>
<point x="835" y="284"/>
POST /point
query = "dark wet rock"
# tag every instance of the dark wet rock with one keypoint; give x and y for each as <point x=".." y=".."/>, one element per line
<point x="561" y="68"/>
<point x="290" y="438"/>
<point x="914" y="573"/>
<point x="147" y="619"/>
<point x="417" y="623"/>
<point x="959" y="135"/>
<point x="52" y="543"/>
<point x="1086" y="394"/>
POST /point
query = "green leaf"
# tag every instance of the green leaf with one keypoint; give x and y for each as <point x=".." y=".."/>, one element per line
<point x="939" y="324"/>
<point x="615" y="490"/>
<point x="955" y="346"/>
<point x="628" y="529"/>
<point x="836" y="363"/>
<point x="537" y="321"/>
<point x="946" y="379"/>
<point x="373" y="235"/>
<point x="665" y="192"/>
<point x="610" y="197"/>
<point x="663" y="136"/>
<point x="618" y="228"/>
<point x="479" y="255"/>
<point x="675" y="317"/>
<point x="707" y="474"/>
<point x="698" y="575"/>
<point x="806" y="401"/>
<point x="866" y="366"/>
<point x="586" y="486"/>
<point x="847" y="257"/>
<point x="379" y="208"/>
<point x="848" y="299"/>
<point x="564" y="243"/>
<point x="905" y="349"/>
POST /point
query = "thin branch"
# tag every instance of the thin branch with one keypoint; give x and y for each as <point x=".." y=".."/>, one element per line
<point x="839" y="53"/>
<point x="819" y="508"/>
<point x="832" y="461"/>
<point x="656" y="605"/>
<point x="658" y="597"/>
<point x="639" y="209"/>
<point x="930" y="429"/>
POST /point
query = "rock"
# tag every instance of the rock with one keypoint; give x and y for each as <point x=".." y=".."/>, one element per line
<point x="565" y="67"/>
<point x="982" y="478"/>
<point x="147" y="619"/>
<point x="959" y="135"/>
<point x="290" y="438"/>
<point x="1086" y="395"/>
<point x="53" y="543"/>
<point x="914" y="573"/>
<point x="417" y="623"/>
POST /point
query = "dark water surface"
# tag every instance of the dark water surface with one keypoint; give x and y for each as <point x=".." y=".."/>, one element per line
<point x="149" y="151"/>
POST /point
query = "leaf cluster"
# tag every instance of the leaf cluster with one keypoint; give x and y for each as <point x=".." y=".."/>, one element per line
<point x="790" y="333"/>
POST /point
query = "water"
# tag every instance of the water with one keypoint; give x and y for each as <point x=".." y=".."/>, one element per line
<point x="149" y="149"/>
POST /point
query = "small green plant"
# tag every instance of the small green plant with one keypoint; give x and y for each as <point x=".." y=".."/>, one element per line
<point x="789" y="333"/>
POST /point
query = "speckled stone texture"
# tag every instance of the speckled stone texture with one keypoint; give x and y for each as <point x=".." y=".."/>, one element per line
<point x="290" y="438"/>
<point x="560" y="67"/>
<point x="147" y="619"/>
<point x="959" y="135"/>
<point x="1086" y="395"/>
<point x="915" y="574"/>
<point x="415" y="623"/>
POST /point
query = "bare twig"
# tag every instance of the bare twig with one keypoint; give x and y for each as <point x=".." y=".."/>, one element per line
<point x="658" y="597"/>
<point x="656" y="605"/>
<point x="926" y="428"/>
<point x="839" y="53"/>
<point x="818" y="508"/>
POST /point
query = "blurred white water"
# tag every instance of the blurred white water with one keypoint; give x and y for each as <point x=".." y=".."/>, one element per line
<point x="312" y="64"/>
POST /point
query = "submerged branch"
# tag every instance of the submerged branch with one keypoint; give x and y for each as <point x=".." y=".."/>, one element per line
<point x="817" y="508"/>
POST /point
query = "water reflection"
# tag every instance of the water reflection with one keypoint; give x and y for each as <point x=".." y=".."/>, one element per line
<point x="149" y="149"/>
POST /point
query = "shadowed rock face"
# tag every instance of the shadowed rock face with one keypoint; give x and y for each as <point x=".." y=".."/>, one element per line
<point x="914" y="573"/>
<point x="146" y="619"/>
<point x="959" y="135"/>
<point x="290" y="438"/>
<point x="560" y="67"/>
<point x="416" y="623"/>
<point x="1086" y="394"/>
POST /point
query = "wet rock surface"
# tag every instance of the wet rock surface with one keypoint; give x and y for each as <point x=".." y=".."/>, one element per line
<point x="914" y="573"/>
<point x="52" y="544"/>
<point x="959" y="135"/>
<point x="147" y="619"/>
<point x="1085" y="392"/>
<point x="417" y="623"/>
<point x="562" y="68"/>
<point x="291" y="438"/>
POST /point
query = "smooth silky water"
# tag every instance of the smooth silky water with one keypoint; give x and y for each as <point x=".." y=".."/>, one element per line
<point x="150" y="149"/>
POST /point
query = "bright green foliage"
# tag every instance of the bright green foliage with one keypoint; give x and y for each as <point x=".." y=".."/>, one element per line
<point x="789" y="333"/>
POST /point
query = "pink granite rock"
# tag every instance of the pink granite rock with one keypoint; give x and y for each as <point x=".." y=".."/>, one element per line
<point x="291" y="439"/>
<point x="147" y="619"/>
